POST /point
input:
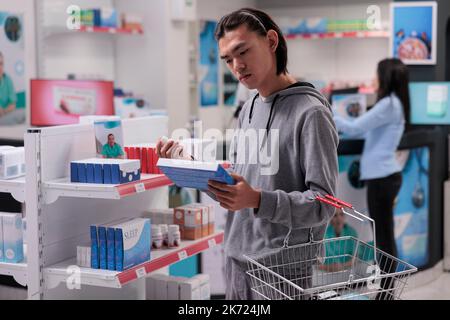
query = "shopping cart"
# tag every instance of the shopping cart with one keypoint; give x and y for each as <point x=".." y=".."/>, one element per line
<point x="343" y="268"/>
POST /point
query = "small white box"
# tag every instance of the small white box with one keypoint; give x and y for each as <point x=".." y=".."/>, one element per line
<point x="205" y="287"/>
<point x="88" y="257"/>
<point x="150" y="292"/>
<point x="173" y="288"/>
<point x="161" y="289"/>
<point x="12" y="162"/>
<point x="190" y="289"/>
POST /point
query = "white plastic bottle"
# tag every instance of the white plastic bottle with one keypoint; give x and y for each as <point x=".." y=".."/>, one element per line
<point x="165" y="234"/>
<point x="174" y="235"/>
<point x="157" y="237"/>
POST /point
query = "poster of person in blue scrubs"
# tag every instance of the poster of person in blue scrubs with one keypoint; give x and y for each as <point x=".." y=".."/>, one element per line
<point x="12" y="73"/>
<point x="209" y="65"/>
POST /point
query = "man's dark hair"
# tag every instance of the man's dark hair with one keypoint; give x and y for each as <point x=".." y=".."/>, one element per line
<point x="110" y="135"/>
<point x="393" y="77"/>
<point x="259" y="22"/>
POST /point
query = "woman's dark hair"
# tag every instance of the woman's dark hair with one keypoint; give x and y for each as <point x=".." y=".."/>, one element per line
<point x="259" y="22"/>
<point x="393" y="77"/>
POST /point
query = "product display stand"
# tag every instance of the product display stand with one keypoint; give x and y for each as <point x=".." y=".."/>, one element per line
<point x="59" y="214"/>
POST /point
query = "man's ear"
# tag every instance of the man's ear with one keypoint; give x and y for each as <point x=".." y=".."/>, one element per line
<point x="272" y="36"/>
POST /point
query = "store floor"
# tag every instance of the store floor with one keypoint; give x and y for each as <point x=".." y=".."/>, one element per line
<point x="432" y="284"/>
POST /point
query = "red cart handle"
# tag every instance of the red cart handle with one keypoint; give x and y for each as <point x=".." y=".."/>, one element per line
<point x="343" y="203"/>
<point x="319" y="198"/>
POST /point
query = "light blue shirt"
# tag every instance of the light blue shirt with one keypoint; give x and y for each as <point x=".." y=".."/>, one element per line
<point x="383" y="127"/>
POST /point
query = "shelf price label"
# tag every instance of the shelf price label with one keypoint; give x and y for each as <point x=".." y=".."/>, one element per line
<point x="139" y="187"/>
<point x="182" y="255"/>
<point x="212" y="242"/>
<point x="140" y="272"/>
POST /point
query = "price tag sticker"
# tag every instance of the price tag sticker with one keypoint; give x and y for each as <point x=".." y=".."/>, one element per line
<point x="212" y="242"/>
<point x="139" y="187"/>
<point x="182" y="255"/>
<point x="140" y="272"/>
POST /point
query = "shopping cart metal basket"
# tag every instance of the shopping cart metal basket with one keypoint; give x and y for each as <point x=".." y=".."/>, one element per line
<point x="344" y="268"/>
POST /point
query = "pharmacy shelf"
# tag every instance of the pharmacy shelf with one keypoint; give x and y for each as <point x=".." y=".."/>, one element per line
<point x="161" y="258"/>
<point x="339" y="35"/>
<point x="64" y="188"/>
<point x="110" y="30"/>
<point x="14" y="186"/>
<point x="62" y="30"/>
<point x="16" y="270"/>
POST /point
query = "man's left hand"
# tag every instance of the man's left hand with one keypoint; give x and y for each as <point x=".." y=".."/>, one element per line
<point x="235" y="197"/>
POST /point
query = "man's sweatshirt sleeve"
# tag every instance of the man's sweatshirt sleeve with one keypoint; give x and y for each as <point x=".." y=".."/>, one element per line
<point x="318" y="160"/>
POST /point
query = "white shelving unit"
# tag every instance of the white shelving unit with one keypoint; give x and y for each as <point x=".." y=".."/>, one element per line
<point x="17" y="270"/>
<point x="59" y="214"/>
<point x="88" y="52"/>
<point x="161" y="258"/>
<point x="64" y="188"/>
<point x="16" y="187"/>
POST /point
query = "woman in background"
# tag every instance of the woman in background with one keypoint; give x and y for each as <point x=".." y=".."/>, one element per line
<point x="383" y="127"/>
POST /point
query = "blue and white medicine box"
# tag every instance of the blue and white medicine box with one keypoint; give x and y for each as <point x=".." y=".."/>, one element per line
<point x="108" y="17"/>
<point x="12" y="237"/>
<point x="132" y="243"/>
<point x="105" y="171"/>
<point x="12" y="162"/>
<point x="194" y="174"/>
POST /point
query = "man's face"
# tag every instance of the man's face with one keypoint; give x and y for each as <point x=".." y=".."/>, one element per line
<point x="248" y="56"/>
<point x="111" y="139"/>
<point x="338" y="221"/>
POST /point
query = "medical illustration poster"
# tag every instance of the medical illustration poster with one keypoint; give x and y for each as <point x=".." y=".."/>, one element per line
<point x="230" y="85"/>
<point x="411" y="213"/>
<point x="209" y="65"/>
<point x="12" y="69"/>
<point x="413" y="35"/>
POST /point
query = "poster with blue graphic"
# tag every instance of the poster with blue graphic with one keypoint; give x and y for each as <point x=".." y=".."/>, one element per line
<point x="413" y="34"/>
<point x="410" y="209"/>
<point x="209" y="65"/>
<point x="230" y="87"/>
<point x="12" y="69"/>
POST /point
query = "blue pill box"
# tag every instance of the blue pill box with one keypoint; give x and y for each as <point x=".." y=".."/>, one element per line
<point x="132" y="243"/>
<point x="105" y="171"/>
<point x="94" y="248"/>
<point x="194" y="174"/>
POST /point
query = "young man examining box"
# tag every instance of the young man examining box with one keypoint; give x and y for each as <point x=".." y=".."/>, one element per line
<point x="267" y="209"/>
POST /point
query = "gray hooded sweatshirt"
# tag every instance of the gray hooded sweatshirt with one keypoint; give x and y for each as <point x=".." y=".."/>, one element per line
<point x="303" y="137"/>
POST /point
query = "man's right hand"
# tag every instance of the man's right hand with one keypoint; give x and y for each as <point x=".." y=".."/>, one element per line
<point x="168" y="148"/>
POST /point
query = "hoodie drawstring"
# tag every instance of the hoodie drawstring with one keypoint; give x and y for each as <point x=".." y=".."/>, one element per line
<point x="270" y="114"/>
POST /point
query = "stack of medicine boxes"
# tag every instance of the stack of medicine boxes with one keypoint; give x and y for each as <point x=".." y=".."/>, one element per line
<point x="196" y="220"/>
<point x="146" y="154"/>
<point x="121" y="244"/>
<point x="164" y="287"/>
<point x="105" y="171"/>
